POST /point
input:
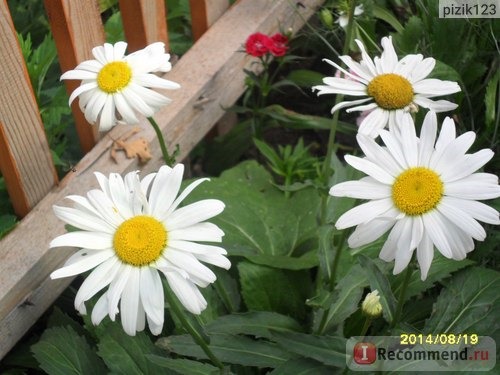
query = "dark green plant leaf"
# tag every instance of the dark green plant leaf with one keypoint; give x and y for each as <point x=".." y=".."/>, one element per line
<point x="445" y="72"/>
<point x="227" y="289"/>
<point x="409" y="39"/>
<point x="305" y="78"/>
<point x="7" y="223"/>
<point x="329" y="350"/>
<point x="302" y="366"/>
<point x="387" y="16"/>
<point x="125" y="354"/>
<point x="468" y="304"/>
<point x="183" y="366"/>
<point x="441" y="268"/>
<point x="232" y="349"/>
<point x="270" y="289"/>
<point x="490" y="99"/>
<point x="62" y="351"/>
<point x="255" y="323"/>
<point x="379" y="282"/>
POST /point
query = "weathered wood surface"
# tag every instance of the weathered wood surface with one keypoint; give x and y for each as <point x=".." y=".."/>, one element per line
<point x="25" y="159"/>
<point x="76" y="28"/>
<point x="144" y="22"/>
<point x="211" y="72"/>
<point x="204" y="13"/>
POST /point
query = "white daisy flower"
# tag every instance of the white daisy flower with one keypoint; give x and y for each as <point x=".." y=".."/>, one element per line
<point x="130" y="230"/>
<point x="114" y="86"/>
<point x="391" y="88"/>
<point x="424" y="189"/>
<point x="343" y="19"/>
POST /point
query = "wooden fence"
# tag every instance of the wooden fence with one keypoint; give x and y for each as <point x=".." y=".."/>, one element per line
<point x="211" y="76"/>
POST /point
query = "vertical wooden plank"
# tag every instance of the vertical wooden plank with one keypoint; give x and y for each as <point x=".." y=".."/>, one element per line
<point x="145" y="22"/>
<point x="25" y="159"/>
<point x="204" y="13"/>
<point x="77" y="28"/>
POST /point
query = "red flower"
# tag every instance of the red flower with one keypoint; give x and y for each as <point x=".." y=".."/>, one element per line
<point x="258" y="44"/>
<point x="279" y="45"/>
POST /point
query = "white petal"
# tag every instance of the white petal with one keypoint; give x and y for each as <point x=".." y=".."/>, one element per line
<point x="362" y="189"/>
<point x="98" y="279"/>
<point x="404" y="250"/>
<point x="378" y="155"/>
<point x="116" y="288"/>
<point x="86" y="262"/>
<point x="343" y="86"/>
<point x="94" y="106"/>
<point x="425" y="253"/>
<point x="205" y="253"/>
<point x="422" y="70"/>
<point x="90" y="65"/>
<point x="394" y="147"/>
<point x="438" y="232"/>
<point x="406" y="66"/>
<point x="374" y="122"/>
<point x="468" y="165"/>
<point x="435" y="87"/>
<point x="349" y="103"/>
<point x="370" y="168"/>
<point x="461" y="219"/>
<point x="105" y="207"/>
<point x="447" y="134"/>
<point x="84" y="239"/>
<point x="369" y="232"/>
<point x="184" y="194"/>
<point x="388" y="59"/>
<point x="198" y="273"/>
<point x="100" y="309"/>
<point x="427" y="138"/>
<point x="434" y="105"/>
<point x="82" y="219"/>
<point x="152" y="98"/>
<point x="81" y="89"/>
<point x="124" y="109"/>
<point x="79" y="74"/>
<point x="409" y="142"/>
<point x="98" y="53"/>
<point x="199" y="232"/>
<point x="366" y="61"/>
<point x="388" y="251"/>
<point x="475" y="186"/>
<point x="359" y="73"/>
<point x="452" y="153"/>
<point x="129" y="304"/>
<point x="119" y="49"/>
<point x="152" y="297"/>
<point x="477" y="210"/>
<point x="194" y="213"/>
<point x="107" y="118"/>
<point x="119" y="195"/>
<point x="364" y="213"/>
<point x="164" y="189"/>
<point x="187" y="293"/>
<point x="136" y="102"/>
<point x="153" y="81"/>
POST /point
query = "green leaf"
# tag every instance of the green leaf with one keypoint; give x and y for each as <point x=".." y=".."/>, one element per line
<point x="125" y="354"/>
<point x="62" y="351"/>
<point x="270" y="289"/>
<point x="490" y="99"/>
<point x="348" y="293"/>
<point x="227" y="289"/>
<point x="329" y="350"/>
<point x="469" y="304"/>
<point x="255" y="323"/>
<point x="306" y="261"/>
<point x="445" y="72"/>
<point x="232" y="349"/>
<point x="183" y="366"/>
<point x="253" y="220"/>
<point x="408" y="40"/>
<point x="379" y="282"/>
<point x="441" y="268"/>
<point x="305" y="77"/>
<point x="383" y="14"/>
<point x="302" y="366"/>
<point x="114" y="28"/>
<point x="7" y="223"/>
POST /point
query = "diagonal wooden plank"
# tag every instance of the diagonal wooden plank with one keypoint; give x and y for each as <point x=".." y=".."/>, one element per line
<point x="144" y="22"/>
<point x="76" y="28"/>
<point x="25" y="159"/>
<point x="216" y="77"/>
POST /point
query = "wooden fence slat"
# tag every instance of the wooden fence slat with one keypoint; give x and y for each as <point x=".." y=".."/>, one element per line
<point x="77" y="28"/>
<point x="25" y="159"/>
<point x="144" y="22"/>
<point x="204" y="13"/>
<point x="211" y="75"/>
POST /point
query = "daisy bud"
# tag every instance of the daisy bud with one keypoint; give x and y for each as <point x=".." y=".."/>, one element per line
<point x="371" y="306"/>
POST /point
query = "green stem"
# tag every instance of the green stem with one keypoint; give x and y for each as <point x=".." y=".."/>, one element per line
<point x="169" y="160"/>
<point x="367" y="324"/>
<point x="197" y="336"/>
<point x="401" y="298"/>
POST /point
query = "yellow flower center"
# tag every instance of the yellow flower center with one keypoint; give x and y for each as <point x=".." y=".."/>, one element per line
<point x="390" y="91"/>
<point x="140" y="240"/>
<point x="114" y="76"/>
<point x="417" y="191"/>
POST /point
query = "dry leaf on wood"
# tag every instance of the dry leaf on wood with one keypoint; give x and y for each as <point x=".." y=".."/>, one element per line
<point x="136" y="148"/>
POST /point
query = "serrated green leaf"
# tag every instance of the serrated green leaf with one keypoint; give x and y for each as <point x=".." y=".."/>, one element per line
<point x="232" y="349"/>
<point x="348" y="293"/>
<point x="270" y="289"/>
<point x="329" y="350"/>
<point x="61" y="351"/>
<point x="441" y="268"/>
<point x="469" y="304"/>
<point x="445" y="72"/>
<point x="408" y="40"/>
<point x="302" y="366"/>
<point x="255" y="323"/>
<point x="183" y="366"/>
<point x="379" y="282"/>
<point x="125" y="354"/>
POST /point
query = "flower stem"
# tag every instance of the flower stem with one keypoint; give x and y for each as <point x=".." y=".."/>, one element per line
<point x="169" y="160"/>
<point x="367" y="324"/>
<point x="401" y="298"/>
<point x="197" y="336"/>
